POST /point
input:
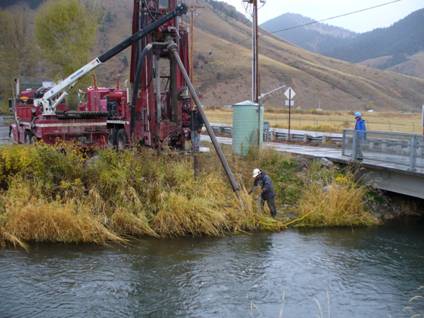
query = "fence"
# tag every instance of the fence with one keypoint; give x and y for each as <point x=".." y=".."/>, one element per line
<point x="398" y="149"/>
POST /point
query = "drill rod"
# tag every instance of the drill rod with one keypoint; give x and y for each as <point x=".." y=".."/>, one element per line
<point x="172" y="47"/>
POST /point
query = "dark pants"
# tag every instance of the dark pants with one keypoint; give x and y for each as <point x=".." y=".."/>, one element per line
<point x="359" y="154"/>
<point x="270" y="201"/>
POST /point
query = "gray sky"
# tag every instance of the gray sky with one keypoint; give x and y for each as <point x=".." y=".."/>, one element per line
<point x="320" y="9"/>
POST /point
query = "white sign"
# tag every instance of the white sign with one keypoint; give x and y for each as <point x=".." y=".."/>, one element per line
<point x="290" y="93"/>
<point x="289" y="103"/>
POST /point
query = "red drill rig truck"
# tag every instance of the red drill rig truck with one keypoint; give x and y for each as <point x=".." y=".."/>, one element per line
<point x="159" y="108"/>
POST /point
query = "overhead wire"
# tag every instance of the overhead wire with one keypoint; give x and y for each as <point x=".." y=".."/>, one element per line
<point x="326" y="19"/>
<point x="337" y="16"/>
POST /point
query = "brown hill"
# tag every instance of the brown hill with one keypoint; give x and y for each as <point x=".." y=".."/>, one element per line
<point x="222" y="65"/>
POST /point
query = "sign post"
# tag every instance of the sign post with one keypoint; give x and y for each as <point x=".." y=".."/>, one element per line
<point x="290" y="94"/>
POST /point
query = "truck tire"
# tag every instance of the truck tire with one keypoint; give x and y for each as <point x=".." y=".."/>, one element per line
<point x="121" y="139"/>
<point x="111" y="139"/>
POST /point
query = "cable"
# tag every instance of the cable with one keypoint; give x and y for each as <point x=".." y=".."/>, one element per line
<point x="337" y="16"/>
<point x="326" y="19"/>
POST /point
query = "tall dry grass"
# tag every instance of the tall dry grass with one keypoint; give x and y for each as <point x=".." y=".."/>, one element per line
<point x="57" y="194"/>
<point x="333" y="199"/>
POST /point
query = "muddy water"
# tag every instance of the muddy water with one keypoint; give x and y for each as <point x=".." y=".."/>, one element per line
<point x="319" y="273"/>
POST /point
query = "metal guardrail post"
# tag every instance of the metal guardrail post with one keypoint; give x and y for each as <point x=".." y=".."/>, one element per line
<point x="344" y="143"/>
<point x="413" y="153"/>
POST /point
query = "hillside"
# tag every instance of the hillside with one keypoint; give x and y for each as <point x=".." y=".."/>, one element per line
<point x="312" y="36"/>
<point x="396" y="48"/>
<point x="222" y="65"/>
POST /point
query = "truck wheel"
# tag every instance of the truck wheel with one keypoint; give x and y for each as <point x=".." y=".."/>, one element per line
<point x="111" y="139"/>
<point x="121" y="139"/>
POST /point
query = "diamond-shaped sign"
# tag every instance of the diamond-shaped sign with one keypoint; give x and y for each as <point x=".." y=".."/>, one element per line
<point x="290" y="93"/>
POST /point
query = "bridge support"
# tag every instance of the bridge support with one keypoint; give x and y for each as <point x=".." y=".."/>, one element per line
<point x="410" y="184"/>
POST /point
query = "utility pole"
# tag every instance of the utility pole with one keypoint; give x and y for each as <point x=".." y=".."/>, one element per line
<point x="255" y="62"/>
<point x="193" y="10"/>
<point x="255" y="51"/>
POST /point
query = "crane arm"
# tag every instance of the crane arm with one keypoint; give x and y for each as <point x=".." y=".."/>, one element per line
<point x="57" y="93"/>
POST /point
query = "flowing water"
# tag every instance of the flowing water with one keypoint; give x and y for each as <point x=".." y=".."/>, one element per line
<point x="318" y="273"/>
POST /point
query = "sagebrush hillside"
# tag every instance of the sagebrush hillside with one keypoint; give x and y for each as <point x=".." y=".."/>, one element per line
<point x="222" y="65"/>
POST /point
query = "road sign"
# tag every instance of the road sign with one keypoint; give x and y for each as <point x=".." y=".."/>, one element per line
<point x="290" y="93"/>
<point x="289" y="103"/>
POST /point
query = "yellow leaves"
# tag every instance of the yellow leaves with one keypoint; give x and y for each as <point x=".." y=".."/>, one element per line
<point x="342" y="180"/>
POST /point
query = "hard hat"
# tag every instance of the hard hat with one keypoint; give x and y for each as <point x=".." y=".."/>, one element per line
<point x="256" y="172"/>
<point x="358" y="114"/>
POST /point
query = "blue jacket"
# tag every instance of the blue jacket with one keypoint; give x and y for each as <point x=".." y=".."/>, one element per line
<point x="266" y="184"/>
<point x="361" y="128"/>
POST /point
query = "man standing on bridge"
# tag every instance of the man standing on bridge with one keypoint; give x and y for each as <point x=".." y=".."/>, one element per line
<point x="360" y="131"/>
<point x="268" y="194"/>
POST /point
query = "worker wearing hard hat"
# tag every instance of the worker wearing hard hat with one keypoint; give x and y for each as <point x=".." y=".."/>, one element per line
<point x="360" y="130"/>
<point x="268" y="194"/>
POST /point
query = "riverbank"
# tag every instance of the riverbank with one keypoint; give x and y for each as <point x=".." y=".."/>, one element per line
<point x="60" y="194"/>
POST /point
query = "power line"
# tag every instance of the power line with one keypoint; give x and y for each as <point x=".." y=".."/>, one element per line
<point x="328" y="19"/>
<point x="337" y="16"/>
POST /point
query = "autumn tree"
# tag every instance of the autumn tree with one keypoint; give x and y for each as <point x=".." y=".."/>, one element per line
<point x="18" y="55"/>
<point x="66" y="33"/>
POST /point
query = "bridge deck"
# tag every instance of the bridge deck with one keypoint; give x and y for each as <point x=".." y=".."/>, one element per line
<point x="374" y="160"/>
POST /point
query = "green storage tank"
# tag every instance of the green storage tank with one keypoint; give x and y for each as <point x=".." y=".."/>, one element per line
<point x="246" y="118"/>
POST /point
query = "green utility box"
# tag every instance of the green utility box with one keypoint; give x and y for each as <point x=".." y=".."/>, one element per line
<point x="246" y="121"/>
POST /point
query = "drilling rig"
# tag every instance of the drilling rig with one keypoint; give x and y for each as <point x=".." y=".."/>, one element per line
<point x="155" y="111"/>
<point x="150" y="112"/>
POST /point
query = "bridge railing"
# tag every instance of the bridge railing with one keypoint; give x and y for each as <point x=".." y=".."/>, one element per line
<point x="398" y="149"/>
<point x="282" y="135"/>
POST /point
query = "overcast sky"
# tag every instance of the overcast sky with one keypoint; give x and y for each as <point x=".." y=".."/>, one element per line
<point x="321" y="9"/>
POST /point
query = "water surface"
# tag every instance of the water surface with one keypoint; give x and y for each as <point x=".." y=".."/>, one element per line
<point x="317" y="273"/>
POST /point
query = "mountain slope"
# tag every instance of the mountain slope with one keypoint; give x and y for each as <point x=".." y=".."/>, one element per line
<point x="312" y="36"/>
<point x="222" y="66"/>
<point x="402" y="39"/>
<point x="335" y="84"/>
<point x="393" y="48"/>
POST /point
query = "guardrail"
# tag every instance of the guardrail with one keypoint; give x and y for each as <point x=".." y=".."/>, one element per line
<point x="400" y="149"/>
<point x="4" y="129"/>
<point x="280" y="134"/>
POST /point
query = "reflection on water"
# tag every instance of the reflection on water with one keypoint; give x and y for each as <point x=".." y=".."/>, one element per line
<point x="319" y="273"/>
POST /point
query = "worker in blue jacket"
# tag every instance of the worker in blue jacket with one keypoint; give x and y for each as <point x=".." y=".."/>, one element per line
<point x="360" y="131"/>
<point x="268" y="194"/>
